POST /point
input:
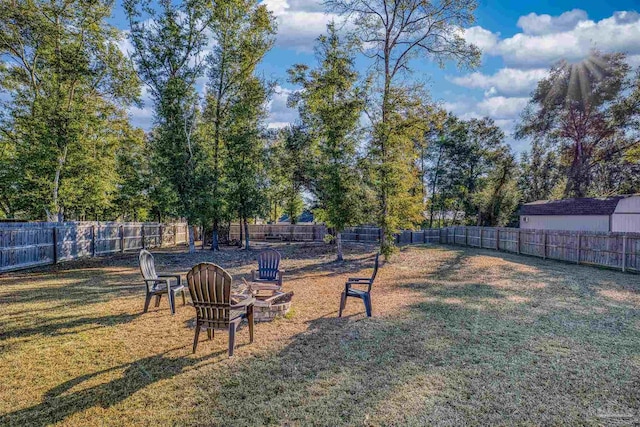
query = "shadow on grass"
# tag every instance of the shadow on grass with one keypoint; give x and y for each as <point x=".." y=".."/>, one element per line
<point x="432" y="364"/>
<point x="57" y="326"/>
<point x="59" y="404"/>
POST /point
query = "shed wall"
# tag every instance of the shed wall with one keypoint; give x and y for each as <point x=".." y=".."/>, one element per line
<point x="565" y="222"/>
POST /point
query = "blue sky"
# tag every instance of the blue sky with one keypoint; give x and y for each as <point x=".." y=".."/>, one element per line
<point x="520" y="40"/>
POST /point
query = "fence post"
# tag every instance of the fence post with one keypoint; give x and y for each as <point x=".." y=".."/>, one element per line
<point x="578" y="250"/>
<point x="175" y="235"/>
<point x="518" y="241"/>
<point x="160" y="232"/>
<point x="121" y="228"/>
<point x="55" y="244"/>
<point x="142" y="235"/>
<point x="93" y="240"/>
<point x="481" y="233"/>
<point x="497" y="239"/>
<point x="624" y="253"/>
<point x="466" y="236"/>
<point x="544" y="245"/>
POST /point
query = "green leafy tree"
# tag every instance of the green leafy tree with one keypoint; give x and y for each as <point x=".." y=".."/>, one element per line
<point x="392" y="34"/>
<point x="294" y="165"/>
<point x="243" y="32"/>
<point x="498" y="196"/>
<point x="330" y="105"/>
<point x="539" y="172"/>
<point x="168" y="39"/>
<point x="67" y="84"/>
<point x="471" y="173"/>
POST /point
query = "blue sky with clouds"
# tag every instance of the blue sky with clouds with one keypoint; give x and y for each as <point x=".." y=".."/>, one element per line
<point x="520" y="40"/>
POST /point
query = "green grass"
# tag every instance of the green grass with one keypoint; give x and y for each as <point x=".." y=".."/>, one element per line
<point x="458" y="337"/>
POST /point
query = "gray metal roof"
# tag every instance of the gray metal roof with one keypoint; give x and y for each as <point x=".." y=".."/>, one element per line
<point x="578" y="206"/>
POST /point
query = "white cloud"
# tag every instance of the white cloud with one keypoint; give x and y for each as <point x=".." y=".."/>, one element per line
<point x="501" y="107"/>
<point x="545" y="24"/>
<point x="279" y="114"/>
<point x="504" y="111"/>
<point x="546" y="39"/>
<point x="528" y="55"/>
<point x="300" y="22"/>
<point x="507" y="81"/>
<point x="484" y="39"/>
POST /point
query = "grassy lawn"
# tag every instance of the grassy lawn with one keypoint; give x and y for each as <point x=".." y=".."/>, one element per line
<point x="459" y="336"/>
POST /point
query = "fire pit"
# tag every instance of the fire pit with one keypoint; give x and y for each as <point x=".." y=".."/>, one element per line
<point x="267" y="308"/>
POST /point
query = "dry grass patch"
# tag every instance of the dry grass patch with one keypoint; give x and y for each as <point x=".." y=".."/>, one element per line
<point x="459" y="336"/>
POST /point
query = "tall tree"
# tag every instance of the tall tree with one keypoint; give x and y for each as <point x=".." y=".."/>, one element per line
<point x="168" y="39"/>
<point x="67" y="84"/>
<point x="539" y="172"/>
<point x="292" y="167"/>
<point x="393" y="33"/>
<point x="245" y="144"/>
<point x="330" y="105"/>
<point x="243" y="32"/>
<point x="471" y="173"/>
<point x="588" y="112"/>
<point x="498" y="196"/>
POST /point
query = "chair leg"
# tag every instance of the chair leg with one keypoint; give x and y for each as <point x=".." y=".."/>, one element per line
<point x="232" y="338"/>
<point x="172" y="302"/>
<point x="147" y="300"/>
<point x="367" y="305"/>
<point x="158" y="300"/>
<point x="210" y="333"/>
<point x="184" y="300"/>
<point x="250" y="320"/>
<point x="343" y="303"/>
<point x="195" y="338"/>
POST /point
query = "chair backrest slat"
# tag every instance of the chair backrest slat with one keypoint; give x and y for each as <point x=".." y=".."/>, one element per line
<point x="147" y="265"/>
<point x="210" y="289"/>
<point x="268" y="264"/>
<point x="375" y="270"/>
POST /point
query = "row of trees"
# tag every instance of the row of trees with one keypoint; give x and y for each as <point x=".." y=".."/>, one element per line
<point x="368" y="147"/>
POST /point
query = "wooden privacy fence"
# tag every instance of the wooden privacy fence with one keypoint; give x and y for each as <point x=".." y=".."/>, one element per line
<point x="281" y="232"/>
<point x="29" y="244"/>
<point x="405" y="237"/>
<point x="615" y="250"/>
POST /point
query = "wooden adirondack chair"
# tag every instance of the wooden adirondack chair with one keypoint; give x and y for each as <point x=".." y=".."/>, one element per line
<point x="365" y="296"/>
<point x="159" y="284"/>
<point x="210" y="289"/>
<point x="268" y="276"/>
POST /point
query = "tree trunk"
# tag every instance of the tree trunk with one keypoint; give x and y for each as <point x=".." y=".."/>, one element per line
<point x="192" y="243"/>
<point x="339" y="246"/>
<point x="57" y="215"/>
<point x="246" y="234"/>
<point x="214" y="240"/>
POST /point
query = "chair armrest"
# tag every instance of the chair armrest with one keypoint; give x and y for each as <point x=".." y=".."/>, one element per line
<point x="245" y="303"/>
<point x="158" y="280"/>
<point x="359" y="279"/>
<point x="172" y="276"/>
